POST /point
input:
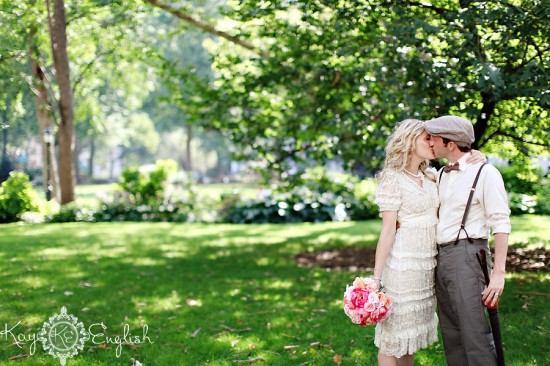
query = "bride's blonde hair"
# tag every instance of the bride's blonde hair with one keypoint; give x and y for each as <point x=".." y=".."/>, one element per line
<point x="400" y="144"/>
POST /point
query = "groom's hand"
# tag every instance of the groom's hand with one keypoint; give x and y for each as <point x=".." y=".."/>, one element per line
<point x="492" y="293"/>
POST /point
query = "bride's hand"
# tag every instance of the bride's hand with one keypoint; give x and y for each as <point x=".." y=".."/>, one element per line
<point x="476" y="156"/>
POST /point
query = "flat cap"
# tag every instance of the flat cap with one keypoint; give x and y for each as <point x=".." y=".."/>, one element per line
<point x="454" y="128"/>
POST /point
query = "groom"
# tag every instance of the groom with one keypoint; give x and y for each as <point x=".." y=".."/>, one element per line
<point x="460" y="285"/>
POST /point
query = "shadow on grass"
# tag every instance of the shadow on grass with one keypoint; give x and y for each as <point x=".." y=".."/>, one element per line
<point x="209" y="294"/>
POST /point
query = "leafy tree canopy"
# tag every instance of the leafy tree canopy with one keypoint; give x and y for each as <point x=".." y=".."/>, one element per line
<point x="329" y="79"/>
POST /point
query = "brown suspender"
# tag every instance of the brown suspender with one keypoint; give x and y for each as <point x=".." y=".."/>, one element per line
<point x="472" y="190"/>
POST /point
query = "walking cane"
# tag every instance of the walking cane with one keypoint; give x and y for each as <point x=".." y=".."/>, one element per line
<point x="493" y="312"/>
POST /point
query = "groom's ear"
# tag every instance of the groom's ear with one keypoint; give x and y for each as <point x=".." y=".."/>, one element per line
<point x="452" y="146"/>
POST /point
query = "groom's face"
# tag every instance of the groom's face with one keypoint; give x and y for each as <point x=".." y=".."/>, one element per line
<point x="438" y="146"/>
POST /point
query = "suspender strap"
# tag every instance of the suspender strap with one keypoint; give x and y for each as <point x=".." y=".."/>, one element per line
<point x="472" y="190"/>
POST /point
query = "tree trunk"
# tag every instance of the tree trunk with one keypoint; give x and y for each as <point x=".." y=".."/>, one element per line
<point x="43" y="106"/>
<point x="4" y="143"/>
<point x="77" y="173"/>
<point x="482" y="122"/>
<point x="91" y="159"/>
<point x="188" y="140"/>
<point x="5" y="131"/>
<point x="58" y="38"/>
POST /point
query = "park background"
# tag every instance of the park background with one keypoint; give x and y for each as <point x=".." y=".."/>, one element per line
<point x="207" y="167"/>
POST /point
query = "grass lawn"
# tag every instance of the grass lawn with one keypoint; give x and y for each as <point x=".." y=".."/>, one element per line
<point x="218" y="294"/>
<point x="87" y="194"/>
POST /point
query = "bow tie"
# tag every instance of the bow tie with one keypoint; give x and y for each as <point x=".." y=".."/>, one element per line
<point x="448" y="168"/>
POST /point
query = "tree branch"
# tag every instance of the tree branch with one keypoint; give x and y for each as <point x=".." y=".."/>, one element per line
<point x="197" y="23"/>
<point x="4" y="57"/>
<point x="88" y="66"/>
<point x="514" y="137"/>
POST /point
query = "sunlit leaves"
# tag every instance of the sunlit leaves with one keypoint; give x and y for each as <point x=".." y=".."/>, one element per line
<point x="353" y="69"/>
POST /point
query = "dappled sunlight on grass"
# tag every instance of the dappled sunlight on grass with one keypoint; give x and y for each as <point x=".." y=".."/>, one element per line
<point x="33" y="281"/>
<point x="57" y="253"/>
<point x="200" y="288"/>
<point x="172" y="302"/>
<point x="280" y="284"/>
<point x="143" y="261"/>
<point x="264" y="261"/>
<point x="245" y="343"/>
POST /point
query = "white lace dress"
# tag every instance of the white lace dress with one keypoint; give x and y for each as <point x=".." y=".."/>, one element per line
<point x="409" y="272"/>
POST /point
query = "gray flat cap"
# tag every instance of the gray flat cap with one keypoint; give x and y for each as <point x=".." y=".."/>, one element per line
<point x="454" y="128"/>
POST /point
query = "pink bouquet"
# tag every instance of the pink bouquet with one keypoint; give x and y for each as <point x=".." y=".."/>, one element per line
<point x="365" y="304"/>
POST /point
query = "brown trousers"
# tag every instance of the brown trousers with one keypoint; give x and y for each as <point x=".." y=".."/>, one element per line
<point x="467" y="336"/>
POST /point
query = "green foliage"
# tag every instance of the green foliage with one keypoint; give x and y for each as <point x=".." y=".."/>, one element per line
<point x="521" y="203"/>
<point x="314" y="196"/>
<point x="16" y="197"/>
<point x="126" y="210"/>
<point x="147" y="188"/>
<point x="524" y="184"/>
<point x="72" y="212"/>
<point x="521" y="179"/>
<point x="301" y="205"/>
<point x="331" y="79"/>
<point x="543" y="199"/>
<point x="144" y="197"/>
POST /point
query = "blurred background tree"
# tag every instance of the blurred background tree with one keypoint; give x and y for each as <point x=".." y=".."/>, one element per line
<point x="287" y="85"/>
<point x="333" y="78"/>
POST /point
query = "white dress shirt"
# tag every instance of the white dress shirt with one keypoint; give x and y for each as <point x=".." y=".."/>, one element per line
<point x="488" y="210"/>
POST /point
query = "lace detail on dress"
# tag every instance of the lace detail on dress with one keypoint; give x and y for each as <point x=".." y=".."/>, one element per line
<point x="399" y="343"/>
<point x="408" y="275"/>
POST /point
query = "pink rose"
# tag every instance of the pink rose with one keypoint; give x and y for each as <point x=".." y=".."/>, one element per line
<point x="361" y="296"/>
<point x="373" y="297"/>
<point x="369" y="307"/>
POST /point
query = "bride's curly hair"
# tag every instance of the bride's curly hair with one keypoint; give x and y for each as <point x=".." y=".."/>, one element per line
<point x="400" y="144"/>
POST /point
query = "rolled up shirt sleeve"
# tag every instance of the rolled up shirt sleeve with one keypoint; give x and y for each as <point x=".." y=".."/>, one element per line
<point x="495" y="202"/>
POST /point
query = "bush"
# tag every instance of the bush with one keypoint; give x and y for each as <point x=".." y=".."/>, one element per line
<point x="147" y="188"/>
<point x="144" y="197"/>
<point x="521" y="203"/>
<point x="322" y="196"/>
<point x="16" y="197"/>
<point x="543" y="199"/>
<point x="521" y="179"/>
<point x="299" y="206"/>
<point x="72" y="212"/>
<point x="125" y="210"/>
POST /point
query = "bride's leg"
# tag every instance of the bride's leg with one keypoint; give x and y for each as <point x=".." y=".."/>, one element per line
<point x="407" y="360"/>
<point x="384" y="360"/>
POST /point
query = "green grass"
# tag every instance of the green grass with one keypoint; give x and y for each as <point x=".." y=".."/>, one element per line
<point x="215" y="294"/>
<point x="87" y="194"/>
